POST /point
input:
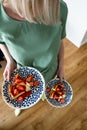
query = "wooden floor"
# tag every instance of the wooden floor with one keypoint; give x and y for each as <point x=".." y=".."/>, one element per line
<point x="42" y="116"/>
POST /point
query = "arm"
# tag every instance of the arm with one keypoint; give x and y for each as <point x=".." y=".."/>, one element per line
<point x="60" y="72"/>
<point x="63" y="17"/>
<point x="11" y="64"/>
<point x="6" y="52"/>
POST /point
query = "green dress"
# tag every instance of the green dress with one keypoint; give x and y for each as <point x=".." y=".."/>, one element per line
<point x="35" y="45"/>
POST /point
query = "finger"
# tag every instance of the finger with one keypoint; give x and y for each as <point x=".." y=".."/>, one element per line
<point x="5" y="75"/>
<point x="9" y="76"/>
<point x="61" y="78"/>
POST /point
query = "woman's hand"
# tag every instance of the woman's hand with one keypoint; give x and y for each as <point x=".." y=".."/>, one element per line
<point x="10" y="66"/>
<point x="60" y="74"/>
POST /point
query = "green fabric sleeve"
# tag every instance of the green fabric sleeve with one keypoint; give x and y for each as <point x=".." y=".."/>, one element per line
<point x="64" y="12"/>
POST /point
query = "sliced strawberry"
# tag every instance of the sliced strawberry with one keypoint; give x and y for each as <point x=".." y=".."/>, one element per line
<point x="36" y="83"/>
<point x="56" y="96"/>
<point x="26" y="94"/>
<point x="23" y="83"/>
<point x="20" y="98"/>
<point x="21" y="87"/>
<point x="58" y="89"/>
<point x="15" y="92"/>
<point x="18" y="80"/>
<point x="64" y="89"/>
<point x="62" y="100"/>
<point x="59" y="86"/>
<point x="13" y="88"/>
<point x="30" y="77"/>
<point x="48" y="89"/>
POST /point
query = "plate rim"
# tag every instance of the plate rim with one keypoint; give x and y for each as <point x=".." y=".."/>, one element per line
<point x="22" y="108"/>
<point x="50" y="102"/>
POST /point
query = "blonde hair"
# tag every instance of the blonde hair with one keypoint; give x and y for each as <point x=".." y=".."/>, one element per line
<point x="42" y="11"/>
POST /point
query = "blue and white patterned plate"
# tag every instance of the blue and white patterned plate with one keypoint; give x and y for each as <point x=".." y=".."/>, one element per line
<point x="37" y="92"/>
<point x="69" y="93"/>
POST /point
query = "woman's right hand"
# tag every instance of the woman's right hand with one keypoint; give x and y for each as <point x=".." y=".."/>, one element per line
<point x="10" y="66"/>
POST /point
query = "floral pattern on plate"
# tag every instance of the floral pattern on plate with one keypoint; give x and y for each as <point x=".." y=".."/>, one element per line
<point x="37" y="92"/>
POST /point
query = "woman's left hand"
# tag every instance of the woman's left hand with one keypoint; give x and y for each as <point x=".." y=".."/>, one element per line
<point x="60" y="70"/>
<point x="60" y="74"/>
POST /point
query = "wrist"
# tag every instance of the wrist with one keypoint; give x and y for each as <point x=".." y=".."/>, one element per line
<point x="10" y="60"/>
<point x="61" y="66"/>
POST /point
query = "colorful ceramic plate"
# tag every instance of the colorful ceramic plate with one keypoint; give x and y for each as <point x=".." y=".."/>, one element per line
<point x="37" y="92"/>
<point x="68" y="93"/>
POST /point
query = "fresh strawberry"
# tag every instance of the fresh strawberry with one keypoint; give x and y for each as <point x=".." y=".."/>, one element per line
<point x="13" y="88"/>
<point x="48" y="89"/>
<point x="21" y="87"/>
<point x="15" y="92"/>
<point x="26" y="94"/>
<point x="36" y="83"/>
<point x="58" y="89"/>
<point x="56" y="96"/>
<point x="62" y="100"/>
<point x="64" y="89"/>
<point x="30" y="77"/>
<point x="20" y="98"/>
<point x="23" y="83"/>
<point x="18" y="80"/>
